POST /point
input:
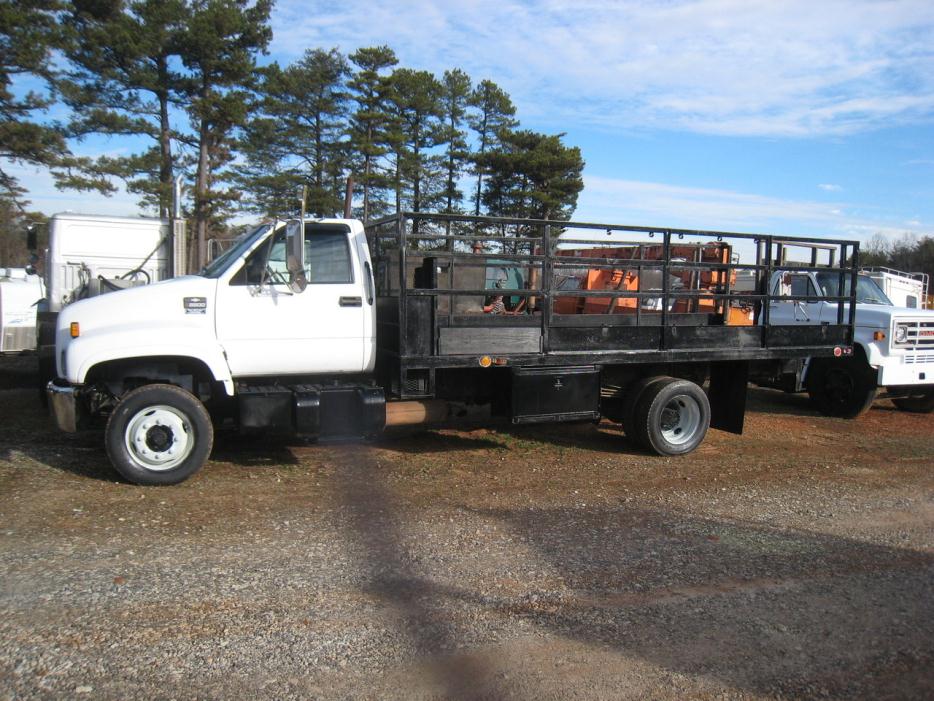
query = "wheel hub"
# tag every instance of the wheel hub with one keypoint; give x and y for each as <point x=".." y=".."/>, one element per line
<point x="159" y="438"/>
<point x="680" y="419"/>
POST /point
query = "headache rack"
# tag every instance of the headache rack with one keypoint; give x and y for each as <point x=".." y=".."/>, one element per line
<point x="458" y="291"/>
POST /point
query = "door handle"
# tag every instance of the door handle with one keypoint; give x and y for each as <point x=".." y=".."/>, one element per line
<point x="351" y="301"/>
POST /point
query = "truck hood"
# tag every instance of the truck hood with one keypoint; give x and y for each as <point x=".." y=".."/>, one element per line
<point x="181" y="303"/>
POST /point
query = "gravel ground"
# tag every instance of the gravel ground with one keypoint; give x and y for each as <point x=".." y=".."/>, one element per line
<point x="544" y="563"/>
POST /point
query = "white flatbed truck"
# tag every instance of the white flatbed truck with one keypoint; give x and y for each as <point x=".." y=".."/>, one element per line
<point x="327" y="329"/>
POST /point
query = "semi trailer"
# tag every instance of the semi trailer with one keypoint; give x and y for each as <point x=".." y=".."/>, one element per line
<point x="332" y="330"/>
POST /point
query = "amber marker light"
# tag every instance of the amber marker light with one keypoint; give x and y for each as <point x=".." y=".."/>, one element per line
<point x="878" y="336"/>
<point x="75" y="329"/>
<point x="486" y="361"/>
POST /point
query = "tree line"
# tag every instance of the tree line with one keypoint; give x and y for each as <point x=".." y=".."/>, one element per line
<point x="180" y="87"/>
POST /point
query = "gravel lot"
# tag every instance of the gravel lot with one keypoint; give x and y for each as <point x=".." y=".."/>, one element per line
<point x="544" y="563"/>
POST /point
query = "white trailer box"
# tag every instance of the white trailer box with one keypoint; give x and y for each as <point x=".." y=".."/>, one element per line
<point x="19" y="295"/>
<point x="89" y="255"/>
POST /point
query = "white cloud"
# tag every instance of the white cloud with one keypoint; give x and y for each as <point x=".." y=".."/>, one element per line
<point x="830" y="187"/>
<point x="662" y="204"/>
<point x="748" y="67"/>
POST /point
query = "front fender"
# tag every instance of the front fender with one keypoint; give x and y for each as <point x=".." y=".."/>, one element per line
<point x="83" y="353"/>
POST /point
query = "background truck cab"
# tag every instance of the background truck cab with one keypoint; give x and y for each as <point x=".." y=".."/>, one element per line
<point x="893" y="346"/>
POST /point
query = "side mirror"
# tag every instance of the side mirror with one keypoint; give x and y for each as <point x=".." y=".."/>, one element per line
<point x="297" y="280"/>
<point x="295" y="257"/>
<point x="32" y="241"/>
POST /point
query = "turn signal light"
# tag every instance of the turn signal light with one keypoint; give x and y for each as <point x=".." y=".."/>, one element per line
<point x="75" y="329"/>
<point x="486" y="361"/>
<point x="878" y="336"/>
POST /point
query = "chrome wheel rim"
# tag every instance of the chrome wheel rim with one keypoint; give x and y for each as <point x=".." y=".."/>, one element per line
<point x="680" y="419"/>
<point x="159" y="438"/>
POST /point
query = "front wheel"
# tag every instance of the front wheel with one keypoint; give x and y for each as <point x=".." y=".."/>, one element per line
<point x="671" y="417"/>
<point x="159" y="434"/>
<point x="844" y="388"/>
<point x="921" y="403"/>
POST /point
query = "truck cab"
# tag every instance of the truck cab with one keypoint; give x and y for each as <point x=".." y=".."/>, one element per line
<point x="893" y="346"/>
<point x="243" y="315"/>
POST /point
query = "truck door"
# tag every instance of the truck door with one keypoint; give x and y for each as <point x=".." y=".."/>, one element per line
<point x="267" y="329"/>
<point x="794" y="312"/>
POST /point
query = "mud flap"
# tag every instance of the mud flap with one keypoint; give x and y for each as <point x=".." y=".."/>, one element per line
<point x="727" y="394"/>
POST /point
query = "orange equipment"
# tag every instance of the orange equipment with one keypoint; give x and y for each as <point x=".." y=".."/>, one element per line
<point x="621" y="275"/>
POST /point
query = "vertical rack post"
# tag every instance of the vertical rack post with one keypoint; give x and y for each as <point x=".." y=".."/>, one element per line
<point x="547" y="279"/>
<point x="666" y="267"/>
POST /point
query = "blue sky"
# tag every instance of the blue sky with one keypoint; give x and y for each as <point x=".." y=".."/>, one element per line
<point x="785" y="116"/>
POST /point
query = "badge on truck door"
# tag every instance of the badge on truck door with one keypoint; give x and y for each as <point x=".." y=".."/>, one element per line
<point x="195" y="305"/>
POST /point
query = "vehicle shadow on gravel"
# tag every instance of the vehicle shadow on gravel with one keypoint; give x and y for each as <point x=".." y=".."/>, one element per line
<point x="19" y="371"/>
<point x="257" y="450"/>
<point x="763" y="610"/>
<point x="605" y="437"/>
<point x="773" y="401"/>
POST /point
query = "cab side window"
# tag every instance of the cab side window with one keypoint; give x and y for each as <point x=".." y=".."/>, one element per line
<point x="327" y="258"/>
<point x="327" y="261"/>
<point x="794" y="286"/>
<point x="271" y="259"/>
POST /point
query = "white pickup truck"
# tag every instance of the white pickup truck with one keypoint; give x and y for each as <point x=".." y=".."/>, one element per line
<point x="893" y="348"/>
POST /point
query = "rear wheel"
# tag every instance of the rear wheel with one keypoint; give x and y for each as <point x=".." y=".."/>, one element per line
<point x="633" y="394"/>
<point x="921" y="403"/>
<point x="844" y="387"/>
<point x="159" y="434"/>
<point x="671" y="417"/>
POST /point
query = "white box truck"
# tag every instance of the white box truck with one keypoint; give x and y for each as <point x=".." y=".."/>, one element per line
<point x="908" y="290"/>
<point x="89" y="255"/>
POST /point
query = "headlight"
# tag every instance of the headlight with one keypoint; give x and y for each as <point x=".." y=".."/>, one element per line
<point x="901" y="333"/>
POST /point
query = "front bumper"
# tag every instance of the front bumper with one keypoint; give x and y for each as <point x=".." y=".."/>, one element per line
<point x="908" y="370"/>
<point x="63" y="405"/>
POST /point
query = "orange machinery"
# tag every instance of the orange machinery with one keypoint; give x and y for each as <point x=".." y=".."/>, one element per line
<point x="626" y="278"/>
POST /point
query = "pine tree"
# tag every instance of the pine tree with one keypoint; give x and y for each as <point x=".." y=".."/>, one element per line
<point x="455" y="97"/>
<point x="219" y="49"/>
<point x="369" y="124"/>
<point x="298" y="139"/>
<point x="28" y="35"/>
<point x="122" y="83"/>
<point x="493" y="118"/>
<point x="533" y="176"/>
<point x="415" y="98"/>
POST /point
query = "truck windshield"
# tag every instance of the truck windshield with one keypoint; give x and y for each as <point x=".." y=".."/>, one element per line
<point x="241" y="244"/>
<point x="867" y="291"/>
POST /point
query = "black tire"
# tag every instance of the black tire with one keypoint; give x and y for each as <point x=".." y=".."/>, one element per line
<point x="629" y="401"/>
<point x="671" y="417"/>
<point x="841" y="387"/>
<point x="921" y="403"/>
<point x="158" y="434"/>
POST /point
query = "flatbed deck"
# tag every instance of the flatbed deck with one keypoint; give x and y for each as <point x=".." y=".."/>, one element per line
<point x="573" y="293"/>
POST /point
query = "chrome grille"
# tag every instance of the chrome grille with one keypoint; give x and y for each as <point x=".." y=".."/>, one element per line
<point x="920" y="334"/>
<point x="918" y="358"/>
